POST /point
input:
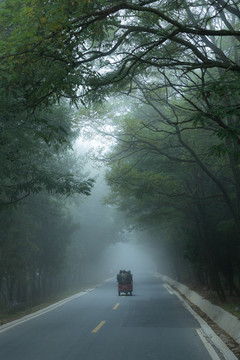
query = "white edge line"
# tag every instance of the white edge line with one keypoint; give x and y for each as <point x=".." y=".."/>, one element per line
<point x="168" y="289"/>
<point x="209" y="334"/>
<point x="14" y="323"/>
<point x="207" y="345"/>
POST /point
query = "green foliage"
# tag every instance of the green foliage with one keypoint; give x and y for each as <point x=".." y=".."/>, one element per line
<point x="34" y="155"/>
<point x="32" y="247"/>
<point x="222" y="107"/>
<point x="39" y="48"/>
<point x="176" y="59"/>
<point x="162" y="176"/>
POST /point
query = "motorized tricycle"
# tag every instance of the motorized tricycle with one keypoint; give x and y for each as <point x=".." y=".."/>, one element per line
<point x="125" y="288"/>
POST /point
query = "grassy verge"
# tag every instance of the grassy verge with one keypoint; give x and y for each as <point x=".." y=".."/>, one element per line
<point x="232" y="303"/>
<point x="232" y="307"/>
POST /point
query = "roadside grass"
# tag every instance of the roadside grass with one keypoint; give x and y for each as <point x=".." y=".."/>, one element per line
<point x="232" y="303"/>
<point x="233" y="307"/>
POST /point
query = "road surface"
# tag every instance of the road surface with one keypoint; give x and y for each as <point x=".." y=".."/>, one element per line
<point x="152" y="324"/>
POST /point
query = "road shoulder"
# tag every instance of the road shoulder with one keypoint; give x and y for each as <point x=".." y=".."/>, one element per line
<point x="222" y="342"/>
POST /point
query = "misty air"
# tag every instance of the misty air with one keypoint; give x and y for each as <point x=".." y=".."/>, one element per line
<point x="120" y="180"/>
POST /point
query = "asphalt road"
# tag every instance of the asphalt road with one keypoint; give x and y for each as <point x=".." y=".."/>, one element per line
<point x="152" y="324"/>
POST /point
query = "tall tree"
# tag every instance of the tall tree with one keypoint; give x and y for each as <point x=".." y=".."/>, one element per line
<point x="32" y="156"/>
<point x="161" y="166"/>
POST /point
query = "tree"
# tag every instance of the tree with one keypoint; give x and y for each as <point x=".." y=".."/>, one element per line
<point x="36" y="234"/>
<point x="76" y="41"/>
<point x="33" y="156"/>
<point x="195" y="42"/>
<point x="161" y="167"/>
<point x="86" y="50"/>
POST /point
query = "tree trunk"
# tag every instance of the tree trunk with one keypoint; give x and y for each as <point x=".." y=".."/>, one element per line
<point x="209" y="251"/>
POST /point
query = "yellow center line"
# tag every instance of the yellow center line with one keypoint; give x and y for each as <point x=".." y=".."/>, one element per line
<point x="98" y="327"/>
<point x="116" y="306"/>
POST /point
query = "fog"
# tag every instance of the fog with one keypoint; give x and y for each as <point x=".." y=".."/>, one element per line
<point x="108" y="245"/>
<point x="105" y="231"/>
<point x="74" y="242"/>
<point x="129" y="256"/>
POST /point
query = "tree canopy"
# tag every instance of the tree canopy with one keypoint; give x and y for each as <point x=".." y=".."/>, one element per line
<point x="176" y="155"/>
